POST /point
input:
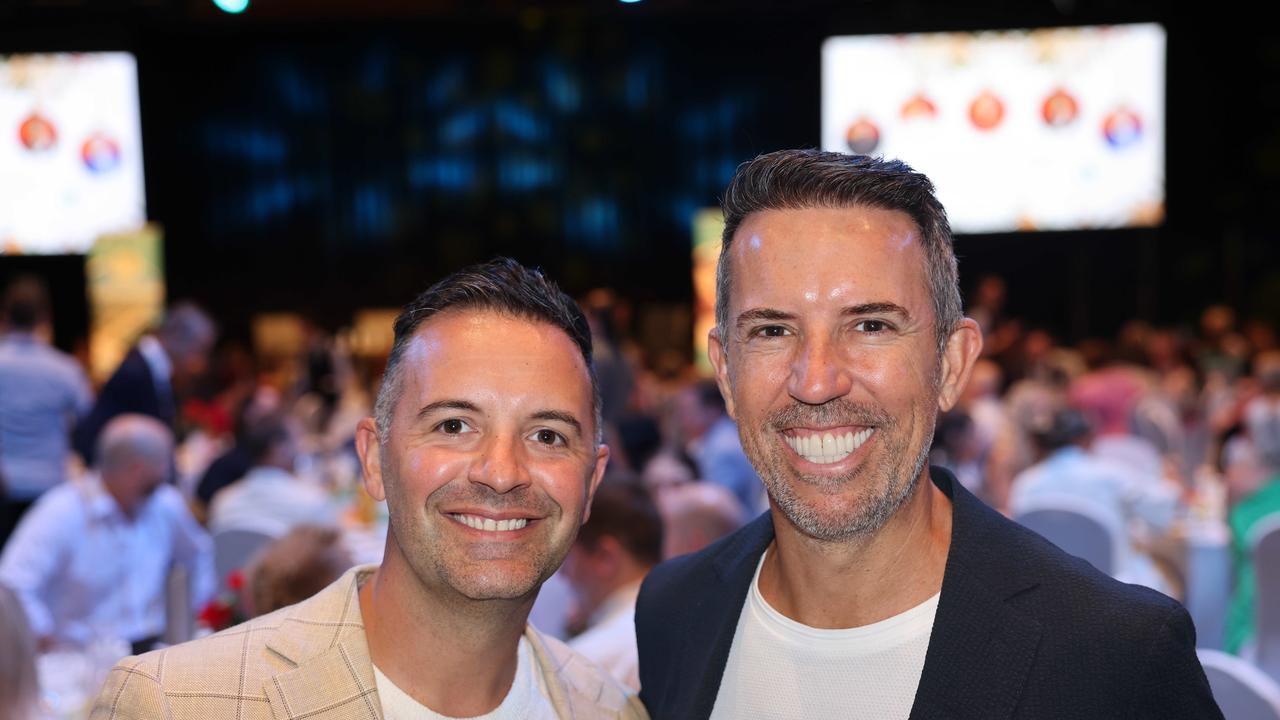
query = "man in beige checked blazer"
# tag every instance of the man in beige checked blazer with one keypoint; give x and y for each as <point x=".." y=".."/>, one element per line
<point x="486" y="445"/>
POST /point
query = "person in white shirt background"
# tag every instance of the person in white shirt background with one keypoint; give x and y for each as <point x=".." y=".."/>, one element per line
<point x="92" y="557"/>
<point x="270" y="499"/>
<point x="615" y="549"/>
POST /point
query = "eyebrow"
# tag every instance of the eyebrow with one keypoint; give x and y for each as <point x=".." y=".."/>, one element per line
<point x="755" y="315"/>
<point x="878" y="308"/>
<point x="559" y="416"/>
<point x="448" y="405"/>
<point x="746" y="317"/>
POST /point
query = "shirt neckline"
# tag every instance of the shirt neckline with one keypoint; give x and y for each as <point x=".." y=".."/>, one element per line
<point x="879" y="635"/>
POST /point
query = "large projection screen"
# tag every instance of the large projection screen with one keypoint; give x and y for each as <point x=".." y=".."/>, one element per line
<point x="1048" y="129"/>
<point x="70" y="151"/>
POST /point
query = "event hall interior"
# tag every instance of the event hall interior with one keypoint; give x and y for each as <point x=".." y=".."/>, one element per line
<point x="212" y="211"/>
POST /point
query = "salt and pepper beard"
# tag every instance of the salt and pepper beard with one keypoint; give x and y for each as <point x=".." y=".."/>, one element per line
<point x="886" y="485"/>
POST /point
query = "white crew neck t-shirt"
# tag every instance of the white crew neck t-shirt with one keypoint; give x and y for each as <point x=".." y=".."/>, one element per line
<point x="779" y="668"/>
<point x="526" y="700"/>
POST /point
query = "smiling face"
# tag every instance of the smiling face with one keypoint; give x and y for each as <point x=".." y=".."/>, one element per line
<point x="829" y="363"/>
<point x="489" y="462"/>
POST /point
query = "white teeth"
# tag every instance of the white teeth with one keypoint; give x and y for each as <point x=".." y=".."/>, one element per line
<point x="489" y="524"/>
<point x="827" y="448"/>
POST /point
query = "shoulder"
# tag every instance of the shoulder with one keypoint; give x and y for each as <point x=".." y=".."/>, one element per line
<point x="588" y="689"/>
<point x="1064" y="593"/>
<point x="212" y="675"/>
<point x="63" y="506"/>
<point x="227" y="674"/>
<point x="131" y="371"/>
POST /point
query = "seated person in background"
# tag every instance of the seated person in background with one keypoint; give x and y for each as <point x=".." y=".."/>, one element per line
<point x="1069" y="471"/>
<point x="91" y="559"/>
<point x="232" y="465"/>
<point x="1108" y="398"/>
<point x="615" y="549"/>
<point x="713" y="440"/>
<point x="1262" y="423"/>
<point x="696" y="514"/>
<point x="293" y="568"/>
<point x="270" y="499"/>
<point x="19" y="690"/>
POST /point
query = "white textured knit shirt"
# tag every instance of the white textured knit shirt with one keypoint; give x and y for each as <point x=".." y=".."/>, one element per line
<point x="526" y="700"/>
<point x="779" y="668"/>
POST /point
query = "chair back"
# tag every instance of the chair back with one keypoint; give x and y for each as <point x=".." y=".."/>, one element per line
<point x="1264" y="547"/>
<point x="232" y="550"/>
<point x="1078" y="528"/>
<point x="1242" y="691"/>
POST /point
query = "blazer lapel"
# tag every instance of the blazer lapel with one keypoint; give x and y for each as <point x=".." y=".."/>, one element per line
<point x="707" y="642"/>
<point x="338" y="683"/>
<point x="332" y="676"/>
<point x="981" y="648"/>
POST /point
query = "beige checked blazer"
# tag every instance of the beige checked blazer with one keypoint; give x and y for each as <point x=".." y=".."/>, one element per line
<point x="311" y="661"/>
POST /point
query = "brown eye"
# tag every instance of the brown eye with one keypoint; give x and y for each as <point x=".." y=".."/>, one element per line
<point x="453" y="426"/>
<point x="873" y="326"/>
<point x="549" y="437"/>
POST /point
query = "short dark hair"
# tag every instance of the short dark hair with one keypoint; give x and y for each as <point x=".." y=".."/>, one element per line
<point x="501" y="285"/>
<point x="805" y="179"/>
<point x="26" y="303"/>
<point x="624" y="510"/>
<point x="262" y="435"/>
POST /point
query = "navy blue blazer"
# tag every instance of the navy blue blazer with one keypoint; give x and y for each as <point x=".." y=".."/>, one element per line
<point x="1022" y="630"/>
<point x="130" y="389"/>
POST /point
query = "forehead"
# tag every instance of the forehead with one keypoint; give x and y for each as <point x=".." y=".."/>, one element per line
<point x="827" y="255"/>
<point x="504" y="360"/>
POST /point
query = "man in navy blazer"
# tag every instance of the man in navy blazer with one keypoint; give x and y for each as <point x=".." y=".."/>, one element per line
<point x="874" y="587"/>
<point x="145" y="380"/>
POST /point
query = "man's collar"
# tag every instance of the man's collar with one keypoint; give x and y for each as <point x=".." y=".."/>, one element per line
<point x="100" y="504"/>
<point x="618" y="601"/>
<point x="157" y="359"/>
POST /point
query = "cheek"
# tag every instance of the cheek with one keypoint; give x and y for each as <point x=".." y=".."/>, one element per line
<point x="425" y="471"/>
<point x="563" y="479"/>
<point x="757" y="380"/>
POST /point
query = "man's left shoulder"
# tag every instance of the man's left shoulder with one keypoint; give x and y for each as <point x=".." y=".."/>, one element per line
<point x="583" y="685"/>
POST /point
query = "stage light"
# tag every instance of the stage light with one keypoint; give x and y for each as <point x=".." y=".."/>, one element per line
<point x="630" y="2"/>
<point x="231" y="6"/>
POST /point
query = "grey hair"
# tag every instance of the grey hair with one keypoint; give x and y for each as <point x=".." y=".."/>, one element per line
<point x="501" y="285"/>
<point x="132" y="437"/>
<point x="806" y="179"/>
<point x="186" y="326"/>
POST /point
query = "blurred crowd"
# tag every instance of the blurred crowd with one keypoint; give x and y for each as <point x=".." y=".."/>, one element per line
<point x="201" y="482"/>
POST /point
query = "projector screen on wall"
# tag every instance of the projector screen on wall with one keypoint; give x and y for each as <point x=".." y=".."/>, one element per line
<point x="70" y="151"/>
<point x="1048" y="129"/>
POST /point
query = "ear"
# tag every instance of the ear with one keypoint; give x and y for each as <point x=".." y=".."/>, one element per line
<point x="958" y="358"/>
<point x="718" y="354"/>
<point x="369" y="449"/>
<point x="597" y="474"/>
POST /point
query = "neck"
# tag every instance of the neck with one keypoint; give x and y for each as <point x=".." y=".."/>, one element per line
<point x="454" y="655"/>
<point x="864" y="580"/>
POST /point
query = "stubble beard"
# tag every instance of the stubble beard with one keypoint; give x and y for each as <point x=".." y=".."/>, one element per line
<point x="469" y="572"/>
<point x="886" y="478"/>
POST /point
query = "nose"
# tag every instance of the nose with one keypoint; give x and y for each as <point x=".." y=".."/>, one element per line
<point x="501" y="465"/>
<point x="819" y="372"/>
